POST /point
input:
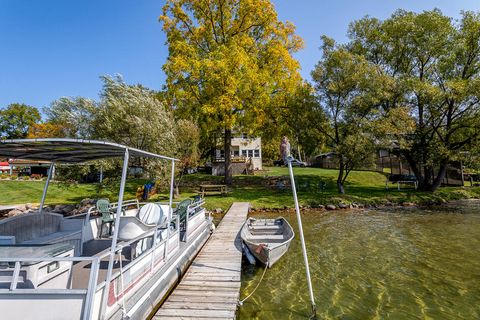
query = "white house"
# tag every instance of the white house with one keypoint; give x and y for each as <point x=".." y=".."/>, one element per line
<point x="244" y="149"/>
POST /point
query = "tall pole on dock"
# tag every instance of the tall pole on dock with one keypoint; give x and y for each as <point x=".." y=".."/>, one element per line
<point x="302" y="239"/>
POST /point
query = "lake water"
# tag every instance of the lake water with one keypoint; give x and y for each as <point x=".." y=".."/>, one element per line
<point x="386" y="264"/>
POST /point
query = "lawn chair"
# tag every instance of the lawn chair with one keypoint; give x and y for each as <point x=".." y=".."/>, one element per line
<point x="103" y="207"/>
<point x="182" y="211"/>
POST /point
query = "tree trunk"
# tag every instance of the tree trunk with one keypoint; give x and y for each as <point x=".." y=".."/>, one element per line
<point x="228" y="165"/>
<point x="341" y="171"/>
<point x="437" y="182"/>
<point x="415" y="168"/>
<point x="176" y="193"/>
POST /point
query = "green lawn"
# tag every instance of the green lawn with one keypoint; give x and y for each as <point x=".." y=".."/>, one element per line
<point x="18" y="192"/>
<point x="362" y="187"/>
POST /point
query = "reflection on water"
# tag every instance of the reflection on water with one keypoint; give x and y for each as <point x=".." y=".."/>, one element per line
<point x="390" y="264"/>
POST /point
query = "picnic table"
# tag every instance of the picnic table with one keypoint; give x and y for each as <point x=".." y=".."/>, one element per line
<point x="213" y="188"/>
<point x="401" y="179"/>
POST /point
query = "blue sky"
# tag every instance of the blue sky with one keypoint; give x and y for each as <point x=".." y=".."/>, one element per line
<point x="55" y="48"/>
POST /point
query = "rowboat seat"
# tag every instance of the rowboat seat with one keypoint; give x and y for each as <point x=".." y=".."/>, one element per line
<point x="267" y="237"/>
<point x="266" y="227"/>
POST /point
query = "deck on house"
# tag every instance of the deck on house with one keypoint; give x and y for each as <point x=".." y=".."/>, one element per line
<point x="211" y="287"/>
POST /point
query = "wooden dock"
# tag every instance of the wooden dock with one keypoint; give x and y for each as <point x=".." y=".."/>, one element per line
<point x="211" y="287"/>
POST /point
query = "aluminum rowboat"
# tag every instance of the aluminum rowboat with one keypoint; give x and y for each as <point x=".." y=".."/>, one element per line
<point x="267" y="239"/>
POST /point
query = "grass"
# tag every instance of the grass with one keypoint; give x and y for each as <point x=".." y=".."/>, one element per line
<point x="18" y="192"/>
<point x="364" y="187"/>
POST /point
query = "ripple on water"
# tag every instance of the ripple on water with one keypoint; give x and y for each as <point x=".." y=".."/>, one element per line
<point x="405" y="264"/>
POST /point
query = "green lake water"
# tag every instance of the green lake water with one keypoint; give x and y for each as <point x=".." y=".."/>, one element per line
<point x="376" y="264"/>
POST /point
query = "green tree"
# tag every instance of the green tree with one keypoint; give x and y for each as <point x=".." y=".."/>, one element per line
<point x="349" y="90"/>
<point x="16" y="119"/>
<point x="134" y="116"/>
<point x="435" y="65"/>
<point x="229" y="64"/>
<point x="74" y="115"/>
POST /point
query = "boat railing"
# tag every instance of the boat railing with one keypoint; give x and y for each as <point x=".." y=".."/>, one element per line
<point x="150" y="253"/>
<point x="93" y="210"/>
<point x="193" y="207"/>
<point x="87" y="293"/>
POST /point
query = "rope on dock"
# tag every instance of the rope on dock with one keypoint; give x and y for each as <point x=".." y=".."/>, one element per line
<point x="240" y="303"/>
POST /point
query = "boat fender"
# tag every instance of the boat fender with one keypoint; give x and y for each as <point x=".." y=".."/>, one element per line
<point x="212" y="227"/>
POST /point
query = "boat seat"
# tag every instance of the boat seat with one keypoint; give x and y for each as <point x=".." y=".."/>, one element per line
<point x="266" y="227"/>
<point x="43" y="228"/>
<point x="267" y="237"/>
<point x="54" y="237"/>
<point x="149" y="215"/>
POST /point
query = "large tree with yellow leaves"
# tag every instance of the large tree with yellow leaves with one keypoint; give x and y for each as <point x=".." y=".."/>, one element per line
<point x="230" y="64"/>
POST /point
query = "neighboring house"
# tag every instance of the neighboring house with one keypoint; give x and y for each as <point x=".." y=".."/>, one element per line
<point x="392" y="163"/>
<point x="246" y="154"/>
<point x="26" y="167"/>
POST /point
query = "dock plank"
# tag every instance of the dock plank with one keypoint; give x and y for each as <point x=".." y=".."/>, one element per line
<point x="210" y="288"/>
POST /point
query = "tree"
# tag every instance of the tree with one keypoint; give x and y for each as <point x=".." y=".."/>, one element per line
<point x="229" y="64"/>
<point x="46" y="130"/>
<point x="16" y="119"/>
<point x="187" y="140"/>
<point x="187" y="135"/>
<point x="133" y="115"/>
<point x="349" y="90"/>
<point x="435" y="66"/>
<point x="74" y="115"/>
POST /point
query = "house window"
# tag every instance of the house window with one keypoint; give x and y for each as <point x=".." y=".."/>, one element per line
<point x="257" y="153"/>
<point x="244" y="153"/>
<point x="250" y="153"/>
<point x="235" y="153"/>
<point x="222" y="154"/>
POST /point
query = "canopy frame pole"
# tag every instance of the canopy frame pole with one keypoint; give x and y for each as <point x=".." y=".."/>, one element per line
<point x="45" y="188"/>
<point x="170" y="212"/>
<point x="302" y="239"/>
<point x="113" y="247"/>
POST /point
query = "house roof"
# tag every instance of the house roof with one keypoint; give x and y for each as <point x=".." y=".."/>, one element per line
<point x="68" y="150"/>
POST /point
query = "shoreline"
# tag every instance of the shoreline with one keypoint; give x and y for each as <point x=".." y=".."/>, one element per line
<point x="361" y="207"/>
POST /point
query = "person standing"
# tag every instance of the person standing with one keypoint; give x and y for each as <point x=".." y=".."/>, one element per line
<point x="285" y="149"/>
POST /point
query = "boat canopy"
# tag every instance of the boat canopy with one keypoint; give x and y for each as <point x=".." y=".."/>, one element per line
<point x="61" y="150"/>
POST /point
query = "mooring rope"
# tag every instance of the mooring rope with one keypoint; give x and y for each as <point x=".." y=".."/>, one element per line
<point x="240" y="303"/>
